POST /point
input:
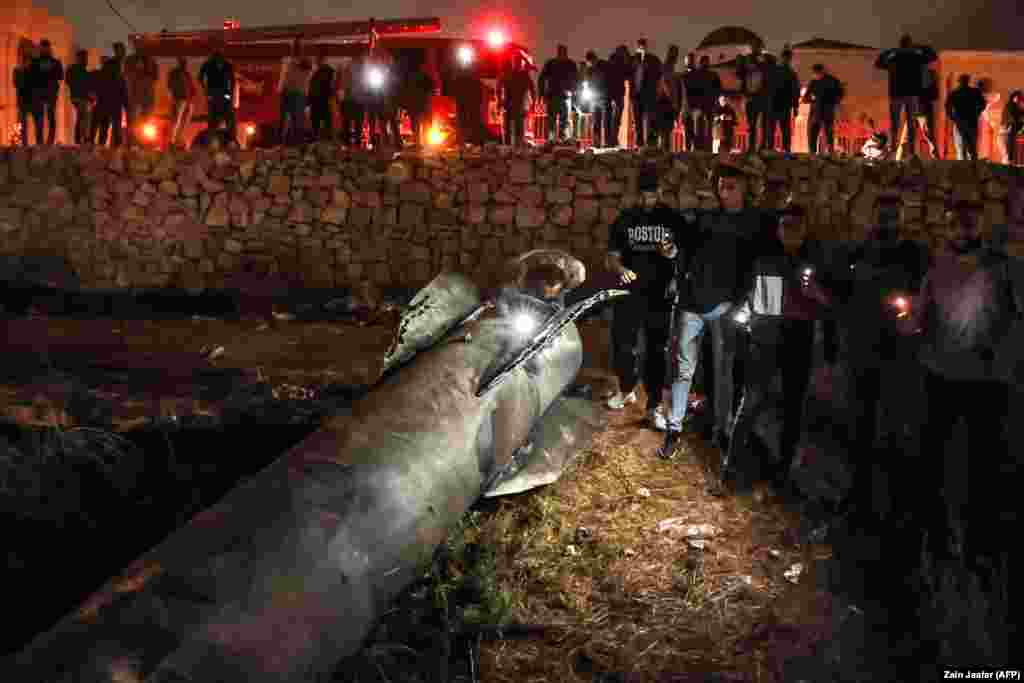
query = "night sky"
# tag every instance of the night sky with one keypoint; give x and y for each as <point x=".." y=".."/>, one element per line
<point x="591" y="24"/>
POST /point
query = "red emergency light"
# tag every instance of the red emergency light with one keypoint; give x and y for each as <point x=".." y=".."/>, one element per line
<point x="496" y="39"/>
<point x="231" y="25"/>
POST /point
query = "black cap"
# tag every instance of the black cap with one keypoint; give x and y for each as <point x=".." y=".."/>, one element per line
<point x="647" y="179"/>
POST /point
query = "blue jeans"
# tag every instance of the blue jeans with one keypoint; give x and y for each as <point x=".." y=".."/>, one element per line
<point x="689" y="329"/>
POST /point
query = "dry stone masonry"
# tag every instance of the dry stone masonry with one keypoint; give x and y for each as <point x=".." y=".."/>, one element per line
<point x="323" y="216"/>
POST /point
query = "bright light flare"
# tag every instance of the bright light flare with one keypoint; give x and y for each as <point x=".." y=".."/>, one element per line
<point x="587" y="93"/>
<point x="901" y="304"/>
<point x="466" y="55"/>
<point x="250" y="129"/>
<point x="149" y="131"/>
<point x="375" y="77"/>
<point x="435" y="137"/>
<point x="742" y="317"/>
<point x="496" y="39"/>
<point x="524" y="323"/>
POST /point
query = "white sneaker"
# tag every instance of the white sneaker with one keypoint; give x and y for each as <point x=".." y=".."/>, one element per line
<point x="657" y="419"/>
<point x="618" y="401"/>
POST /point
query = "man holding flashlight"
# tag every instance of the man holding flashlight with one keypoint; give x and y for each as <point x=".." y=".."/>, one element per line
<point x="966" y="315"/>
<point x="713" y="276"/>
<point x="871" y="300"/>
<point x="633" y="243"/>
<point x="779" y="317"/>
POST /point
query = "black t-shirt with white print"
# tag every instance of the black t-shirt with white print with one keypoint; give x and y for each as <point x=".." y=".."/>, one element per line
<point x="635" y="235"/>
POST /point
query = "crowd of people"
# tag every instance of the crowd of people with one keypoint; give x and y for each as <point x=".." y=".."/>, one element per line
<point x="372" y="92"/>
<point x="916" y="335"/>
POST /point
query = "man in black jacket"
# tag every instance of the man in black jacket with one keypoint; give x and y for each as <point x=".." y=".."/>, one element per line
<point x="714" y="262"/>
<point x="80" y="86"/>
<point x="517" y="95"/>
<point x="824" y="93"/>
<point x="703" y="86"/>
<point x="321" y="92"/>
<point x="778" y="317"/>
<point x="784" y="86"/>
<point x="557" y="83"/>
<point x="23" y="94"/>
<point x="753" y="72"/>
<point x="906" y="65"/>
<point x="632" y="256"/>
<point x="963" y="107"/>
<point x="111" y="97"/>
<point x="644" y="83"/>
<point x="619" y="71"/>
<point x="689" y="130"/>
<point x="594" y="98"/>
<point x="47" y="73"/>
<point x="217" y="76"/>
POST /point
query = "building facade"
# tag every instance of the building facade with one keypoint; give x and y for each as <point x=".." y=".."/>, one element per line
<point x="22" y="24"/>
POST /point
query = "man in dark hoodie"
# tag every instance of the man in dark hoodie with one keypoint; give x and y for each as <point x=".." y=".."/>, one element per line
<point x="632" y="256"/>
<point x="644" y="83"/>
<point x="714" y="260"/>
<point x="689" y="131"/>
<point x="906" y="65"/>
<point x="963" y="107"/>
<point x="47" y="73"/>
<point x="556" y="83"/>
<point x="870" y="299"/>
<point x="967" y="317"/>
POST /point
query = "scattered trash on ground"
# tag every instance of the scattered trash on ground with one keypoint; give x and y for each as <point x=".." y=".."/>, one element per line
<point x="793" y="573"/>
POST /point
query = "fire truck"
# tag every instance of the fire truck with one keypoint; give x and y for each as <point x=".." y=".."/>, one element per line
<point x="259" y="56"/>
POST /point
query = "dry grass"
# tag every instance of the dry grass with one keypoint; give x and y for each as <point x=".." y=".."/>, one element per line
<point x="636" y="599"/>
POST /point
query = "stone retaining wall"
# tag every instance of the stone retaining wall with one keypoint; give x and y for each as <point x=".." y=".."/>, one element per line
<point x="325" y="217"/>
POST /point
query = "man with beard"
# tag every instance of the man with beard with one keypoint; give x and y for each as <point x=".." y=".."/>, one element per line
<point x="633" y="257"/>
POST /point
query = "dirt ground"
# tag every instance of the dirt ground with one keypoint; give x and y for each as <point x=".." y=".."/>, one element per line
<point x="585" y="555"/>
